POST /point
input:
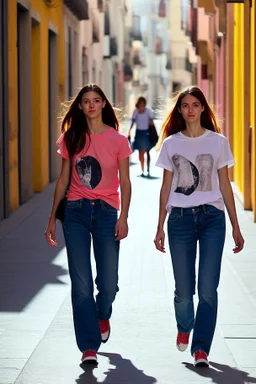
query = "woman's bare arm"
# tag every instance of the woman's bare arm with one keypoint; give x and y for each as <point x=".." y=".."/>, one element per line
<point x="61" y="186"/>
<point x="228" y="197"/>
<point x="125" y="188"/>
<point x="164" y="194"/>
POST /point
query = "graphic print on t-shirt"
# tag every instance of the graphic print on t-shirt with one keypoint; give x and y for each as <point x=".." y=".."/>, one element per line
<point x="89" y="171"/>
<point x="191" y="176"/>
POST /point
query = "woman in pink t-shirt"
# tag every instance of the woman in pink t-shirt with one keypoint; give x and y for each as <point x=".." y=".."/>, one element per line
<point x="95" y="162"/>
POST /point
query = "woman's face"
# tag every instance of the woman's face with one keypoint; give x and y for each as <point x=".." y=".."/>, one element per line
<point x="191" y="109"/>
<point x="92" y="104"/>
<point x="141" y="106"/>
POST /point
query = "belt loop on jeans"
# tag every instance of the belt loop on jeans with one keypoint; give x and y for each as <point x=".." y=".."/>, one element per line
<point x="204" y="208"/>
<point x="181" y="212"/>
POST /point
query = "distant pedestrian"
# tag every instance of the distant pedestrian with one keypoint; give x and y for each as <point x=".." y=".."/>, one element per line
<point x="143" y="118"/>
<point x="96" y="153"/>
<point x="195" y="157"/>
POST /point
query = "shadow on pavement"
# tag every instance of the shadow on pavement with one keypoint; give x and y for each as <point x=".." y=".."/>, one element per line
<point x="149" y="177"/>
<point x="26" y="260"/>
<point x="222" y="374"/>
<point x="123" y="372"/>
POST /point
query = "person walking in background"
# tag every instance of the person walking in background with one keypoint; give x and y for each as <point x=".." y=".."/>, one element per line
<point x="195" y="157"/>
<point x="143" y="117"/>
<point x="95" y="153"/>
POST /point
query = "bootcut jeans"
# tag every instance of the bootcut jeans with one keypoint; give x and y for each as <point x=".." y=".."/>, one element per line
<point x="205" y="225"/>
<point x="87" y="220"/>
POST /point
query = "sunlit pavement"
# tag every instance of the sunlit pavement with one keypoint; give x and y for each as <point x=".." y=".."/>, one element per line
<point x="37" y="343"/>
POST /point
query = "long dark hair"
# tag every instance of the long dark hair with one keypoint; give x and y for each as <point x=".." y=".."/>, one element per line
<point x="74" y="123"/>
<point x="175" y="122"/>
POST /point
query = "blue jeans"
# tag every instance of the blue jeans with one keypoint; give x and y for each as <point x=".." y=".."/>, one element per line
<point x="187" y="226"/>
<point x="85" y="220"/>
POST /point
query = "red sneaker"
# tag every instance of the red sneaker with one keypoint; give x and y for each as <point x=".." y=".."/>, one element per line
<point x="104" y="330"/>
<point x="182" y="341"/>
<point x="200" y="359"/>
<point x="89" y="357"/>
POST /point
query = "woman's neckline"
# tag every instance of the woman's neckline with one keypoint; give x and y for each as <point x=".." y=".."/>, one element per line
<point x="207" y="131"/>
<point x="100" y="133"/>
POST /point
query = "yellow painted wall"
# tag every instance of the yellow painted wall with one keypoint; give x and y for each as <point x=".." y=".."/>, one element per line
<point x="36" y="107"/>
<point x="39" y="89"/>
<point x="252" y="109"/>
<point x="13" y="105"/>
<point x="238" y="99"/>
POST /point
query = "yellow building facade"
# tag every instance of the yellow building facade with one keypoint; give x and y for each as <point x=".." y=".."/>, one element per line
<point x="244" y="118"/>
<point x="35" y="86"/>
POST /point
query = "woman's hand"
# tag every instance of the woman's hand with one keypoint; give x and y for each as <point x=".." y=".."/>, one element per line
<point x="159" y="240"/>
<point x="239" y="240"/>
<point x="50" y="233"/>
<point x="121" y="230"/>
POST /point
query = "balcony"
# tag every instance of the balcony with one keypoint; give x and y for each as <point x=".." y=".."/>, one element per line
<point x="206" y="53"/>
<point x="101" y="5"/>
<point x="106" y="23"/>
<point x="128" y="73"/>
<point x="188" y="65"/>
<point x="110" y="47"/>
<point x="113" y="46"/>
<point x="79" y="8"/>
<point x="169" y="63"/>
<point x="136" y="32"/>
<point x="95" y="29"/>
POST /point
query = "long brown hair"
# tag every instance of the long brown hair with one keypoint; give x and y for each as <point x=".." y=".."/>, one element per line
<point x="74" y="123"/>
<point x="175" y="122"/>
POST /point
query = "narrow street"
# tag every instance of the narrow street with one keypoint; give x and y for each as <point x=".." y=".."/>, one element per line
<point x="37" y="344"/>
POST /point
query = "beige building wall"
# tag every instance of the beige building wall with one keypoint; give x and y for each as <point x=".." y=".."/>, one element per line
<point x="72" y="37"/>
<point x="179" y="47"/>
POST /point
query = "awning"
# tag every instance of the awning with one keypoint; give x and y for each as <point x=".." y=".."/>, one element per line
<point x="208" y="5"/>
<point x="222" y="17"/>
<point x="205" y="50"/>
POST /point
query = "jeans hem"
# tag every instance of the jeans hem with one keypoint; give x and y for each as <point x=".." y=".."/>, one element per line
<point x="193" y="350"/>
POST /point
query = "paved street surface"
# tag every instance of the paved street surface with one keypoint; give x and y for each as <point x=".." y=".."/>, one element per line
<point x="37" y="343"/>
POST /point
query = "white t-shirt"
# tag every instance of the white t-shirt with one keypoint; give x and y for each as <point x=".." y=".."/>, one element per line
<point x="194" y="163"/>
<point x="142" y="119"/>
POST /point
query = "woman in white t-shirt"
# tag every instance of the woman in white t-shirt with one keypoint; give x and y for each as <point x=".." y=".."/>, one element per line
<point x="143" y="117"/>
<point x="195" y="158"/>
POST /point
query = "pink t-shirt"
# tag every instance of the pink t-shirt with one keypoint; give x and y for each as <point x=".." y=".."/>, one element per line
<point x="95" y="168"/>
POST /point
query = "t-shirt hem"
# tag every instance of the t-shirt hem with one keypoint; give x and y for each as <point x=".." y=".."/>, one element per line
<point x="61" y="155"/>
<point x="108" y="201"/>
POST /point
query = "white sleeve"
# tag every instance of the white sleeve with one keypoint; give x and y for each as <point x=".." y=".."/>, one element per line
<point x="226" y="157"/>
<point x="164" y="160"/>
<point x="150" y="113"/>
